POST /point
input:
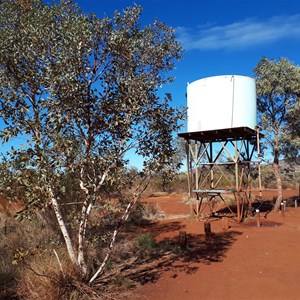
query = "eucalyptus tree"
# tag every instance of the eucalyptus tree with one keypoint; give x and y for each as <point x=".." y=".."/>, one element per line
<point x="277" y="99"/>
<point x="84" y="92"/>
<point x="292" y="137"/>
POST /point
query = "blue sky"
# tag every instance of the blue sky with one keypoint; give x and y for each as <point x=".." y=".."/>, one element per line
<point x="220" y="37"/>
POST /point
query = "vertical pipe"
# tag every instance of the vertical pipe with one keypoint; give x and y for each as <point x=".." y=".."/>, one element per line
<point x="249" y="191"/>
<point x="284" y="205"/>
<point x="187" y="156"/>
<point x="187" y="152"/>
<point x="236" y="160"/>
<point x="258" y="154"/>
<point x="196" y="166"/>
<point x="212" y="184"/>
<point x="238" y="198"/>
<point x="238" y="207"/>
<point x="249" y="182"/>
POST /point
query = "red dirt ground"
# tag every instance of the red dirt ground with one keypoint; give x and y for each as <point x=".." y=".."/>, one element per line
<point x="243" y="262"/>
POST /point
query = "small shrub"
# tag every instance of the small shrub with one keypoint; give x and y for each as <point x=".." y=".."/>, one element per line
<point x="8" y="277"/>
<point x="121" y="281"/>
<point x="145" y="244"/>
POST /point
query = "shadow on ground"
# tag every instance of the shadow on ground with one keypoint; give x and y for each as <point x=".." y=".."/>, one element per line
<point x="264" y="205"/>
<point x="176" y="254"/>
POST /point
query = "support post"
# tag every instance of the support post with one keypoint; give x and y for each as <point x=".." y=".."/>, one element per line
<point x="212" y="185"/>
<point x="208" y="174"/>
<point x="238" y="206"/>
<point x="282" y="209"/>
<point x="207" y="229"/>
<point x="225" y="223"/>
<point x="258" y="218"/>
<point x="187" y="156"/>
<point x="236" y="159"/>
<point x="196" y="166"/>
<point x="258" y="155"/>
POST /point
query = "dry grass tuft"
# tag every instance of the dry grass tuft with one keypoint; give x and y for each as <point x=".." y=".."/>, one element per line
<point x="44" y="281"/>
<point x="152" y="211"/>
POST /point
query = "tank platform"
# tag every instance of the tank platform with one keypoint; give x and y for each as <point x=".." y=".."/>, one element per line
<point x="221" y="162"/>
<point x="219" y="135"/>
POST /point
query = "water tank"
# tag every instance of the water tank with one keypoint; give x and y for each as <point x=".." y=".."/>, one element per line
<point x="221" y="102"/>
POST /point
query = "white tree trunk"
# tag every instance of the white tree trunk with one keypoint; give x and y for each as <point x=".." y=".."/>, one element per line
<point x="82" y="229"/>
<point x="63" y="227"/>
<point x="85" y="213"/>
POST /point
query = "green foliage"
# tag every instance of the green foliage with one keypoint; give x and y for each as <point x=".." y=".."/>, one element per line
<point x="291" y="138"/>
<point x="120" y="281"/>
<point x="83" y="92"/>
<point x="145" y="244"/>
<point x="268" y="178"/>
<point x="278" y="93"/>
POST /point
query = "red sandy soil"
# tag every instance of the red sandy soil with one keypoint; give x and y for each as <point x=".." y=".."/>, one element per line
<point x="243" y="262"/>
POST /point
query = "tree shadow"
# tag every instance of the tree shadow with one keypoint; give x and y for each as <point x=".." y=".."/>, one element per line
<point x="157" y="228"/>
<point x="170" y="254"/>
<point x="265" y="206"/>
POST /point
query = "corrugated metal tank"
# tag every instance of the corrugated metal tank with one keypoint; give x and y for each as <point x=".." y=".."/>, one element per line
<point x="221" y="102"/>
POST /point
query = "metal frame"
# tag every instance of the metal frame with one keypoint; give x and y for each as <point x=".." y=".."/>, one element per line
<point x="219" y="162"/>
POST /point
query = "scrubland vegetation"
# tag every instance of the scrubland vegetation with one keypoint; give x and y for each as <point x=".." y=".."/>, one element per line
<point x="82" y="92"/>
<point x="35" y="263"/>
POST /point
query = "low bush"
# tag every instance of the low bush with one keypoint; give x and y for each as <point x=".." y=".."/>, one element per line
<point x="145" y="244"/>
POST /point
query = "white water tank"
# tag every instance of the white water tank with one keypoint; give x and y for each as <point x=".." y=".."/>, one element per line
<point x="221" y="102"/>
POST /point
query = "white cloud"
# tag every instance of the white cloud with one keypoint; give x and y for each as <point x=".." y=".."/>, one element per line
<point x="240" y="35"/>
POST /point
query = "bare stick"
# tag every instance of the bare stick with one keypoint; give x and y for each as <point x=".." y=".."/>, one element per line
<point x="59" y="263"/>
